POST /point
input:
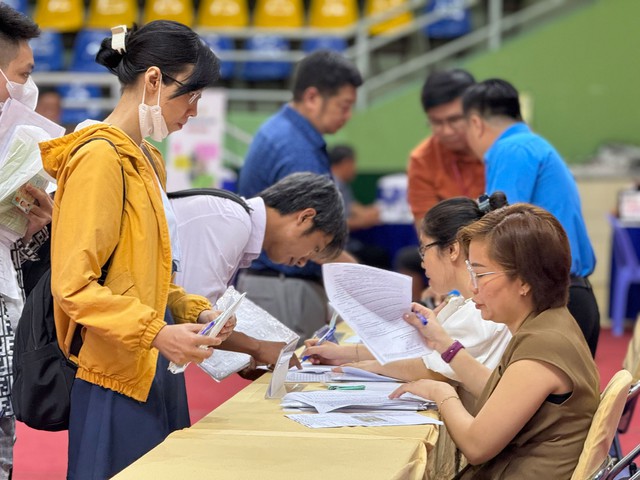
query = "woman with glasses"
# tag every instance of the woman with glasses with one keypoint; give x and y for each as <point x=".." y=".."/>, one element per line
<point x="444" y="263"/>
<point x="111" y="214"/>
<point x="534" y="410"/>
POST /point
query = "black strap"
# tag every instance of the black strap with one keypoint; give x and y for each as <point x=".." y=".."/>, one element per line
<point x="214" y="192"/>
<point x="76" y="341"/>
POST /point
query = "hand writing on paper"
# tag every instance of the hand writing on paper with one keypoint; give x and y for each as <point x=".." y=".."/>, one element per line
<point x="39" y="215"/>
<point x="181" y="343"/>
<point x="328" y="353"/>
<point x="434" y="335"/>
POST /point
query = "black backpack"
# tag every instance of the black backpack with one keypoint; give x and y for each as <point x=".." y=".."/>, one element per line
<point x="214" y="192"/>
<point x="43" y="375"/>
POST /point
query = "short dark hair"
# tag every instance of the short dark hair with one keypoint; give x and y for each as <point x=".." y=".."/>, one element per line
<point x="492" y="98"/>
<point x="340" y="153"/>
<point x="447" y="217"/>
<point x="168" y="45"/>
<point x="15" y="28"/>
<point x="326" y="70"/>
<point x="444" y="87"/>
<point x="298" y="191"/>
<point x="530" y="244"/>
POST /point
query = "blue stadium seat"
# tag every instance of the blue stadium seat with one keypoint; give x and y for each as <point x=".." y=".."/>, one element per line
<point x="337" y="44"/>
<point x="48" y="51"/>
<point x="79" y="91"/>
<point x="268" y="46"/>
<point x="456" y="23"/>
<point x="219" y="44"/>
<point x="85" y="47"/>
<point x="19" y="5"/>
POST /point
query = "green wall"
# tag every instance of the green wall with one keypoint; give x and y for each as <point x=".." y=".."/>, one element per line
<point x="581" y="71"/>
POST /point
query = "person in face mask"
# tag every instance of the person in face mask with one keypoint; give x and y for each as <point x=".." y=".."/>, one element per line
<point x="16" y="64"/>
<point x="111" y="208"/>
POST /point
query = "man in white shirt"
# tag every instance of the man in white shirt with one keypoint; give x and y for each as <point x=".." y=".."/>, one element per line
<point x="299" y="218"/>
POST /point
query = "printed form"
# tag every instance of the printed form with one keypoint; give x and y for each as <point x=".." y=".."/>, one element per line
<point x="372" y="302"/>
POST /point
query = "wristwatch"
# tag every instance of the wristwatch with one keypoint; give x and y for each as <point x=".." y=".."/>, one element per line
<point x="452" y="351"/>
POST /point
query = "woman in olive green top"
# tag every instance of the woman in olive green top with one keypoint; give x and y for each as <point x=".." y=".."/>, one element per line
<point x="534" y="410"/>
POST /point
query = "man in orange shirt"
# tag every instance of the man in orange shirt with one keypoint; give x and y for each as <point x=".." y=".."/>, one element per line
<point x="442" y="166"/>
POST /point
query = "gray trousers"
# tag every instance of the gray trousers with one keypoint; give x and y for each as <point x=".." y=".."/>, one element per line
<point x="7" y="439"/>
<point x="300" y="304"/>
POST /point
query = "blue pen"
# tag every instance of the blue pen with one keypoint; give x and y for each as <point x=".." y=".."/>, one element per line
<point x="322" y="339"/>
<point x="422" y="318"/>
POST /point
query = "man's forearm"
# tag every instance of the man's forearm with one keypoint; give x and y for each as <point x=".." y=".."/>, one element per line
<point x="240" y="342"/>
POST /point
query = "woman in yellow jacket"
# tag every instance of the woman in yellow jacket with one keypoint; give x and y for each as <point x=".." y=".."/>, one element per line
<point x="110" y="210"/>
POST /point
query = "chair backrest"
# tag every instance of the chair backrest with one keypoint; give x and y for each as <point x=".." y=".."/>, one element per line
<point x="61" y="15"/>
<point x="333" y="13"/>
<point x="19" y="5"/>
<point x="456" y="20"/>
<point x="177" y="10"/>
<point x="625" y="253"/>
<point x="217" y="44"/>
<point x="223" y="14"/>
<point x="337" y="44"/>
<point x="278" y="14"/>
<point x="48" y="51"/>
<point x="603" y="426"/>
<point x="80" y="92"/>
<point x="109" y="13"/>
<point x="268" y="46"/>
<point x="85" y="48"/>
<point x="373" y="7"/>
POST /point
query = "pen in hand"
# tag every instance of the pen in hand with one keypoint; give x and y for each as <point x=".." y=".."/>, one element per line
<point x="320" y="341"/>
<point x="422" y="318"/>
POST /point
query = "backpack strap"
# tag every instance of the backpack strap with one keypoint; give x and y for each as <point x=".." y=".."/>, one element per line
<point x="214" y="192"/>
<point x="76" y="341"/>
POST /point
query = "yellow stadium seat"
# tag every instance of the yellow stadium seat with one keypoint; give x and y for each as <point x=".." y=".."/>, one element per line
<point x="176" y="10"/>
<point x="60" y="15"/>
<point x="333" y="13"/>
<point x="373" y="7"/>
<point x="278" y="14"/>
<point x="109" y="13"/>
<point x="223" y="14"/>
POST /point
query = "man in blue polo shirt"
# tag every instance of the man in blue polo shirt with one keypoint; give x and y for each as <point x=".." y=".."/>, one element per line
<point x="324" y="92"/>
<point x="528" y="169"/>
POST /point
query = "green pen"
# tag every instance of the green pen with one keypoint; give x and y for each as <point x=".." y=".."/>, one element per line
<point x="346" y="387"/>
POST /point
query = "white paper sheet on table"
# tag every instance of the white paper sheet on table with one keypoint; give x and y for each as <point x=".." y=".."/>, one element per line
<point x="324" y="374"/>
<point x="325" y="401"/>
<point x="378" y="419"/>
<point x="372" y="302"/>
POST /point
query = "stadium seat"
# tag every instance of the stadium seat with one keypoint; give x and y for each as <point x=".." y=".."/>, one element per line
<point x="217" y="44"/>
<point x="79" y="91"/>
<point x="337" y="44"/>
<point x="223" y="14"/>
<point x="48" y="51"/>
<point x="85" y="47"/>
<point x="108" y="13"/>
<point x="61" y="15"/>
<point x="333" y="13"/>
<point x="278" y="14"/>
<point x="177" y="10"/>
<point x="268" y="46"/>
<point x="457" y="20"/>
<point x="19" y="5"/>
<point x="373" y="7"/>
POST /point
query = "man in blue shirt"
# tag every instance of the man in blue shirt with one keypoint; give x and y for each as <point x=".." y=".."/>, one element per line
<point x="324" y="92"/>
<point x="528" y="169"/>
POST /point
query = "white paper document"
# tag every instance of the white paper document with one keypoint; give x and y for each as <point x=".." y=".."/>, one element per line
<point x="378" y="419"/>
<point x="323" y="374"/>
<point x="329" y="400"/>
<point x="276" y="388"/>
<point x="372" y="302"/>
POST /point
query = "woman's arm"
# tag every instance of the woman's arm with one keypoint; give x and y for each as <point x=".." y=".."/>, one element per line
<point x="520" y="392"/>
<point x="406" y="370"/>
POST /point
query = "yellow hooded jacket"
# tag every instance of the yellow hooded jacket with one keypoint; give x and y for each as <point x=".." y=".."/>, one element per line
<point x="121" y="318"/>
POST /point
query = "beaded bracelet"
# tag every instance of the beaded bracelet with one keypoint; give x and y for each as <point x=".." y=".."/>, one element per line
<point x="448" y="398"/>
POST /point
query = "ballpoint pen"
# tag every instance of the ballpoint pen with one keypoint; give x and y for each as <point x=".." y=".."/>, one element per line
<point x="346" y="387"/>
<point x="328" y="333"/>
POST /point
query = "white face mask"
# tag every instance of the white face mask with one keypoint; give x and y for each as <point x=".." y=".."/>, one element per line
<point x="152" y="123"/>
<point x="25" y="93"/>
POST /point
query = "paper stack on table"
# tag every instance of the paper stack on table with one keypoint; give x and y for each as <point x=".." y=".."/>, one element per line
<point x="379" y="419"/>
<point x="325" y="401"/>
<point x="323" y="374"/>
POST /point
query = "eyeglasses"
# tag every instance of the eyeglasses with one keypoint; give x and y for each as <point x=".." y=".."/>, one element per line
<point x="452" y="122"/>
<point x="475" y="276"/>
<point x="423" y="248"/>
<point x="193" y="96"/>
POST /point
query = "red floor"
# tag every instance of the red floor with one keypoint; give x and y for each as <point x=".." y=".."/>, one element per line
<point x="43" y="455"/>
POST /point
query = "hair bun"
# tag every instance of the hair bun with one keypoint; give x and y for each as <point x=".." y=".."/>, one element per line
<point x="498" y="200"/>
<point x="107" y="56"/>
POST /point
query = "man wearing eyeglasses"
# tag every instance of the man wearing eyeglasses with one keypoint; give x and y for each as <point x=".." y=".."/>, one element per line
<point x="442" y="166"/>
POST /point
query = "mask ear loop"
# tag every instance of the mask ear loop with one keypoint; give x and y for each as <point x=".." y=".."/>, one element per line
<point x="159" y="90"/>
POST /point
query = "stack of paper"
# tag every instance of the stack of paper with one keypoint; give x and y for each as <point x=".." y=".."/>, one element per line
<point x="323" y="374"/>
<point x="328" y="401"/>
<point x="379" y="419"/>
